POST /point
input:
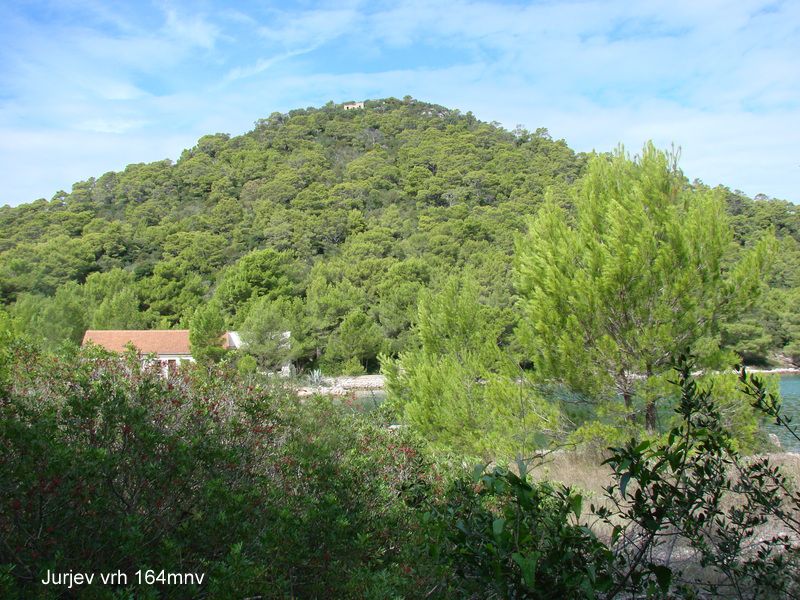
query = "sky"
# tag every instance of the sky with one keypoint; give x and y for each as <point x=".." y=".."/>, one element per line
<point x="90" y="86"/>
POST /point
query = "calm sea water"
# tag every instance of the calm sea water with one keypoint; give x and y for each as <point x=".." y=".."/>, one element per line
<point x="790" y="391"/>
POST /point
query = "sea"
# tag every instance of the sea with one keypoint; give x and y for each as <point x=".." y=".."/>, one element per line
<point x="790" y="392"/>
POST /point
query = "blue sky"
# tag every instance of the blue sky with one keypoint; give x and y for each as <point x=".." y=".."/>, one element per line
<point x="90" y="86"/>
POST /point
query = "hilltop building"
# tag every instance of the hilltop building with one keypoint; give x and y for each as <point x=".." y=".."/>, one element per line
<point x="352" y="105"/>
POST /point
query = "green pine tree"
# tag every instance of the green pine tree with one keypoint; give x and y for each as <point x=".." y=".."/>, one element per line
<point x="459" y="388"/>
<point x="205" y="333"/>
<point x="632" y="273"/>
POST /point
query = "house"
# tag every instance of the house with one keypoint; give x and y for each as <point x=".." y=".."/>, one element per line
<point x="352" y="105"/>
<point x="170" y="347"/>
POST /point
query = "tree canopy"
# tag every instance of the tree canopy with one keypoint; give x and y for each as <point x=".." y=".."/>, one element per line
<point x="342" y="213"/>
<point x="628" y="275"/>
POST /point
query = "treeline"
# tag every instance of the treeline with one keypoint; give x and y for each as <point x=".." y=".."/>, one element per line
<point x="328" y="223"/>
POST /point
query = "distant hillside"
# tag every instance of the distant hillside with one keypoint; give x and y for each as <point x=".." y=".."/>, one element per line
<point x="326" y="222"/>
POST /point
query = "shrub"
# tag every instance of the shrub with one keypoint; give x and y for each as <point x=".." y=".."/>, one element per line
<point x="105" y="466"/>
<point x="684" y="516"/>
<point x="352" y="366"/>
<point x="507" y="537"/>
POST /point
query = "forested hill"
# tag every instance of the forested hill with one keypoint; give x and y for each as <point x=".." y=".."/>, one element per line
<point x="326" y="222"/>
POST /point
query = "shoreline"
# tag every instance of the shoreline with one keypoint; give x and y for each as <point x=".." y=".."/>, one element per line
<point x="342" y="386"/>
<point x="774" y="371"/>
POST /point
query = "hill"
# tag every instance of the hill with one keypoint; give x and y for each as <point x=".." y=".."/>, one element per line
<point x="326" y="222"/>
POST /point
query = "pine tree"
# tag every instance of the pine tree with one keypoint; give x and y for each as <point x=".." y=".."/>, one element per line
<point x="205" y="332"/>
<point x="613" y="286"/>
<point x="459" y="388"/>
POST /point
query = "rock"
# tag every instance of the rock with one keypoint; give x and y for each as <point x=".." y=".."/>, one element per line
<point x="774" y="440"/>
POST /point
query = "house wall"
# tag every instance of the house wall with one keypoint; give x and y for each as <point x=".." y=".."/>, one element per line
<point x="167" y="360"/>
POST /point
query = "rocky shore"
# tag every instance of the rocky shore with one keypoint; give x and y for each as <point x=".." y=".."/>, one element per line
<point x="342" y="386"/>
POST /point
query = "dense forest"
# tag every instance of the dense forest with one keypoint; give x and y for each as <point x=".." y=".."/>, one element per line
<point x="329" y="223"/>
<point x="531" y="308"/>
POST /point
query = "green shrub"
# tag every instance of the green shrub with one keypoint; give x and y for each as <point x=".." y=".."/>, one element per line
<point x="105" y="466"/>
<point x="352" y="366"/>
<point x="246" y="365"/>
<point x="509" y="538"/>
<point x="683" y="517"/>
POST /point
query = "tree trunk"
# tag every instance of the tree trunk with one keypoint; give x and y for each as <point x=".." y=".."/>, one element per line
<point x="650" y="415"/>
<point x="627" y="397"/>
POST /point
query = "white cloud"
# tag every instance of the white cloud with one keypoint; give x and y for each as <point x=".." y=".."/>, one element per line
<point x="719" y="78"/>
<point x="46" y="162"/>
<point x="110" y="125"/>
<point x="263" y="64"/>
<point x="310" y="28"/>
<point x="194" y="30"/>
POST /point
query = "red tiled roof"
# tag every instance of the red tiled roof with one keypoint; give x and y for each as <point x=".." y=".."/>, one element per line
<point x="158" y="341"/>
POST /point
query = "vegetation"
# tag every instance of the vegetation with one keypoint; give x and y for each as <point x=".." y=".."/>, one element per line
<point x="684" y="517"/>
<point x="616" y="286"/>
<point x="461" y="389"/>
<point x="330" y="222"/>
<point x="611" y="285"/>
<point x="108" y="466"/>
<point x="518" y="297"/>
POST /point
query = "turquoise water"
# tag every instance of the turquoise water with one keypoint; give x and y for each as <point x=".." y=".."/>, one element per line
<point x="790" y="391"/>
<point x="365" y="400"/>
